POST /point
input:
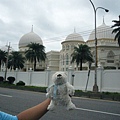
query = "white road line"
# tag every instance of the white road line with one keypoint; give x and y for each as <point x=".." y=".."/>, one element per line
<point x="98" y="111"/>
<point x="5" y="95"/>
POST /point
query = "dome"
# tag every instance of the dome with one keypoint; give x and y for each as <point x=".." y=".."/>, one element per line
<point x="28" y="38"/>
<point x="103" y="31"/>
<point x="74" y="37"/>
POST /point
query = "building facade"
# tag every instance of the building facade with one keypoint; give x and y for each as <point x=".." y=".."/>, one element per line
<point x="108" y="54"/>
<point x="26" y="39"/>
<point x="68" y="45"/>
<point x="108" y="51"/>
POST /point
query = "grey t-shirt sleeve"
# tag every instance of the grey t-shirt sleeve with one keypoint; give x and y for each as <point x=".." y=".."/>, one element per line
<point x="5" y="116"/>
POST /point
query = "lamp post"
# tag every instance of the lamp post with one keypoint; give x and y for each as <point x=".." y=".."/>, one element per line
<point x="95" y="87"/>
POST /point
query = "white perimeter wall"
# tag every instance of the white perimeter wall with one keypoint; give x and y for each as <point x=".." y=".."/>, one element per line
<point x="107" y="80"/>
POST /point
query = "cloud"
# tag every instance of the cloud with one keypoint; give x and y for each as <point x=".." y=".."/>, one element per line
<point x="52" y="20"/>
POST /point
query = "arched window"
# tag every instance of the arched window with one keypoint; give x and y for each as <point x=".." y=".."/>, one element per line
<point x="110" y="57"/>
<point x="72" y="47"/>
<point x="63" y="59"/>
<point x="63" y="47"/>
<point x="67" y="47"/>
<point x="67" y="59"/>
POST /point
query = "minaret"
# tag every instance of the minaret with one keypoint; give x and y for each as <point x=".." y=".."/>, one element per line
<point x="74" y="30"/>
<point x="103" y="20"/>
<point x="32" y="29"/>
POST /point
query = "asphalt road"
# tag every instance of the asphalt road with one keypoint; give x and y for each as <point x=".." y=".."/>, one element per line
<point x="15" y="101"/>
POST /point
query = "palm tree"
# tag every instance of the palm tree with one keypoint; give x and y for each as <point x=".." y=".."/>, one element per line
<point x="116" y="29"/>
<point x="35" y="53"/>
<point x="3" y="56"/>
<point x="81" y="54"/>
<point x="16" y="60"/>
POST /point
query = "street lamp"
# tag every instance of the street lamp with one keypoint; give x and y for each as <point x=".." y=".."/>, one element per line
<point x="95" y="87"/>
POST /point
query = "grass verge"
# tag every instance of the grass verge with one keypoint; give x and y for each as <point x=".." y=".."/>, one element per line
<point x="78" y="93"/>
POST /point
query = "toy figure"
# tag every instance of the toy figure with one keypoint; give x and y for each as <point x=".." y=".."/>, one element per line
<point x="60" y="92"/>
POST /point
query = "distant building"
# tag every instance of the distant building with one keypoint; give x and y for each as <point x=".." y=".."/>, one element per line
<point x="26" y="39"/>
<point x="53" y="60"/>
<point x="108" y="51"/>
<point x="67" y="48"/>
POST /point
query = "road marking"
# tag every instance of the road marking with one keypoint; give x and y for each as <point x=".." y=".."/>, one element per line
<point x="98" y="111"/>
<point x="5" y="95"/>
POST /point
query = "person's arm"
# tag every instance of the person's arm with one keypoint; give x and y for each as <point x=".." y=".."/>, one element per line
<point x="35" y="112"/>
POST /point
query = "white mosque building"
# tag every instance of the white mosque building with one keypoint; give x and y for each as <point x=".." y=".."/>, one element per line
<point x="26" y="39"/>
<point x="108" y="51"/>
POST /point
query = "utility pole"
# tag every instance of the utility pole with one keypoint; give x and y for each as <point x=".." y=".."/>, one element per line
<point x="6" y="64"/>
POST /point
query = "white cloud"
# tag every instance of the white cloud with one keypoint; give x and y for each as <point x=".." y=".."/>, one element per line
<point x="52" y="19"/>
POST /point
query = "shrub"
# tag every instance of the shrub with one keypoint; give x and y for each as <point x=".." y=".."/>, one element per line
<point x="11" y="80"/>
<point x="37" y="89"/>
<point x="20" y="83"/>
<point x="1" y="79"/>
<point x="78" y="93"/>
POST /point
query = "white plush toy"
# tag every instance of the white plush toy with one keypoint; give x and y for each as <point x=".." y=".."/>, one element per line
<point x="60" y="92"/>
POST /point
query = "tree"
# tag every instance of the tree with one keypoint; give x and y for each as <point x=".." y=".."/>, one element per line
<point x="35" y="53"/>
<point x="16" y="60"/>
<point x="3" y="56"/>
<point x="81" y="54"/>
<point x="116" y="29"/>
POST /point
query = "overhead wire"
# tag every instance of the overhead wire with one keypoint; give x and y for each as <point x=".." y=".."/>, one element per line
<point x="82" y="34"/>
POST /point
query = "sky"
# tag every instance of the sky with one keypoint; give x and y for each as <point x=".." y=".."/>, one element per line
<point x="52" y="20"/>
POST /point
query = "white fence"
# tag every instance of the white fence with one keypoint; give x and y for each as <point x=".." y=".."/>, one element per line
<point x="107" y="80"/>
